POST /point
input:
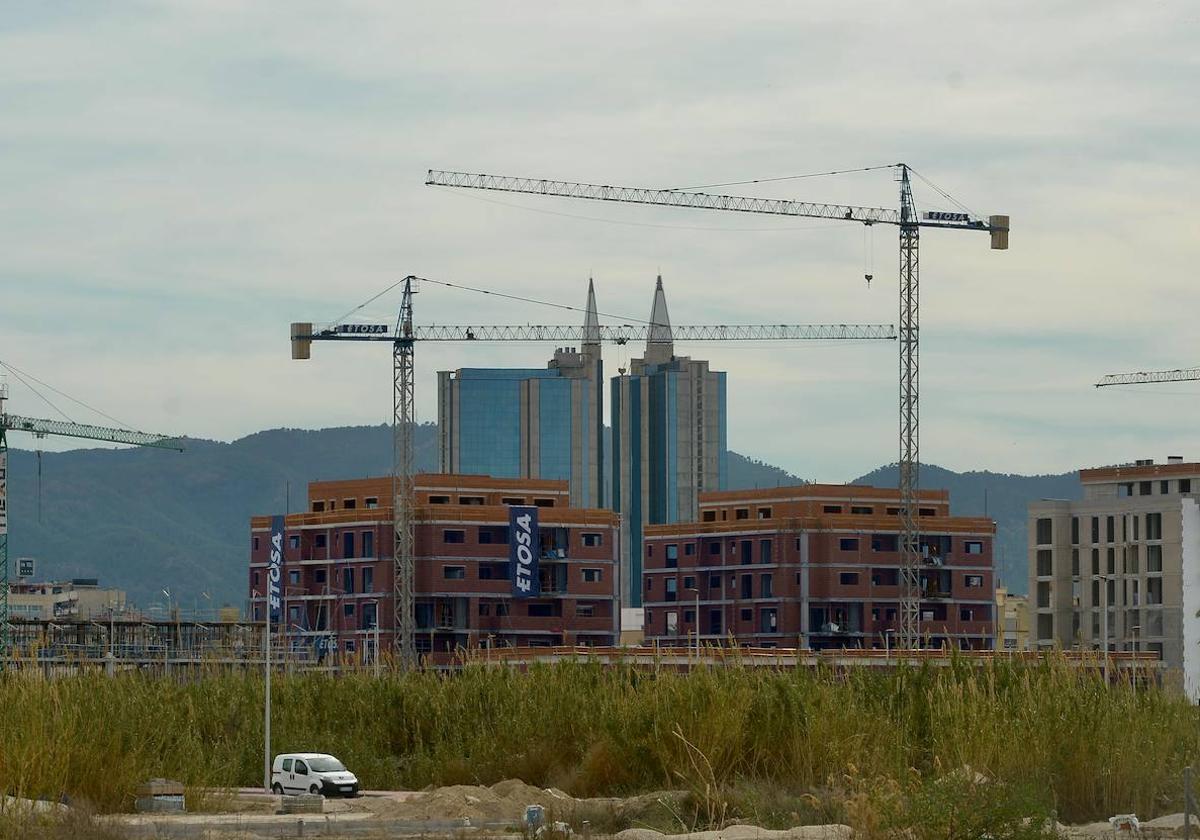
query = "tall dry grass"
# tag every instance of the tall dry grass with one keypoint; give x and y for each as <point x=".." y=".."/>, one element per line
<point x="1092" y="750"/>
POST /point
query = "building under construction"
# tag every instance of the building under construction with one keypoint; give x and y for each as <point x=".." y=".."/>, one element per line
<point x="122" y="643"/>
<point x="337" y="570"/>
<point x="818" y="567"/>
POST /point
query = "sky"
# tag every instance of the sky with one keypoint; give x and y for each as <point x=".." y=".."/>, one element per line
<point x="181" y="180"/>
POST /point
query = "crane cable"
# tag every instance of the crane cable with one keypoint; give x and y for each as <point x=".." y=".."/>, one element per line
<point x="15" y="372"/>
<point x="628" y="223"/>
<point x="21" y="375"/>
<point x="785" y="178"/>
<point x="492" y="293"/>
<point x="945" y="194"/>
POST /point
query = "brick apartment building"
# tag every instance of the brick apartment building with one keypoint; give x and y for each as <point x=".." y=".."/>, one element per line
<point x="815" y="566"/>
<point x="338" y="570"/>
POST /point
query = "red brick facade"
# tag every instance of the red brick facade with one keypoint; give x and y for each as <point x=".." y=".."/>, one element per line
<point x="815" y="566"/>
<point x="338" y="570"/>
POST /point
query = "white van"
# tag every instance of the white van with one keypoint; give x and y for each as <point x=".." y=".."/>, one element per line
<point x="294" y="773"/>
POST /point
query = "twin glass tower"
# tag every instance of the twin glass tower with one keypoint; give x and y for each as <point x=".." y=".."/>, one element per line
<point x="668" y="436"/>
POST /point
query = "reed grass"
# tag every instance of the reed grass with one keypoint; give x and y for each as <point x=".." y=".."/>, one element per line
<point x="1088" y="750"/>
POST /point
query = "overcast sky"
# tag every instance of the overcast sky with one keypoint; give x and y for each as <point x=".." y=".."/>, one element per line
<point x="182" y="180"/>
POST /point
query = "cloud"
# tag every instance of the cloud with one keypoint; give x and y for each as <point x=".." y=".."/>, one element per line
<point x="183" y="180"/>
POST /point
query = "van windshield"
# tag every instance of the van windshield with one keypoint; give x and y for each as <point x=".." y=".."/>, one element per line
<point x="328" y="764"/>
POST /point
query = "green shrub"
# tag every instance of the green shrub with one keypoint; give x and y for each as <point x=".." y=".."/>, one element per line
<point x="1087" y="749"/>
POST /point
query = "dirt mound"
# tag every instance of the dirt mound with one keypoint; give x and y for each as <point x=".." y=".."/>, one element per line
<point x="503" y="801"/>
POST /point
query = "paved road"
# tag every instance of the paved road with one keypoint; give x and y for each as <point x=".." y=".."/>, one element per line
<point x="344" y="825"/>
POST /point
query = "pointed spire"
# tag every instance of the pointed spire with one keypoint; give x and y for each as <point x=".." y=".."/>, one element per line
<point x="660" y="346"/>
<point x="591" y="318"/>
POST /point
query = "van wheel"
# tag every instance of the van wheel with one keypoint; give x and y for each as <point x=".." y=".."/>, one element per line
<point x="277" y="789"/>
<point x="314" y="790"/>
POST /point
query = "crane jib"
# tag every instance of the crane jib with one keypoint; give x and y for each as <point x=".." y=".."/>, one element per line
<point x="709" y="201"/>
<point x="615" y="333"/>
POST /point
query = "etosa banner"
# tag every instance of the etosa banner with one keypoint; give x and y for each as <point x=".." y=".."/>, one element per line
<point x="524" y="546"/>
<point x="3" y="491"/>
<point x="275" y="567"/>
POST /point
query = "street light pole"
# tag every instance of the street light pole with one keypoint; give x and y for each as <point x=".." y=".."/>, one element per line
<point x="267" y="695"/>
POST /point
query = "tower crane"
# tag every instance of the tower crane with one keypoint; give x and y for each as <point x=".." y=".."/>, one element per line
<point x="41" y="428"/>
<point x="1150" y="377"/>
<point x="909" y="223"/>
<point x="405" y="335"/>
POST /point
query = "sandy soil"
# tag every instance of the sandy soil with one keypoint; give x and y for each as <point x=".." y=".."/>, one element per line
<point x="490" y="812"/>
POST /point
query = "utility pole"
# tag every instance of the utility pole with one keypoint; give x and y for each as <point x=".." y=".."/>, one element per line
<point x="267" y="701"/>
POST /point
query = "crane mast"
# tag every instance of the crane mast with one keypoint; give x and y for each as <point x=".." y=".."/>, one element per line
<point x="403" y="419"/>
<point x="909" y="223"/>
<point x="404" y="337"/>
<point x="41" y="428"/>
<point x="909" y="464"/>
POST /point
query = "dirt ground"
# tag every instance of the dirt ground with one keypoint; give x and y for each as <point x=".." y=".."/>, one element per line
<point x="469" y="811"/>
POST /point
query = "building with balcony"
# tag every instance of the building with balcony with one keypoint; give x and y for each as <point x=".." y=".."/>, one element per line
<point x="816" y="566"/>
<point x="337" y="584"/>
<point x="530" y="422"/>
<point x="1129" y="549"/>
<point x="66" y="600"/>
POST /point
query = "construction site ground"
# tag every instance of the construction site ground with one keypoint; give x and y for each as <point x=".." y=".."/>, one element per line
<point x="468" y="811"/>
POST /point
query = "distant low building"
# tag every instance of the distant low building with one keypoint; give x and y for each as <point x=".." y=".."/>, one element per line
<point x="632" y="619"/>
<point x="1012" y="620"/>
<point x="77" y="599"/>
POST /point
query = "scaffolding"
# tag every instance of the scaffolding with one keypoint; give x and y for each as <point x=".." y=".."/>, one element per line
<point x="122" y="643"/>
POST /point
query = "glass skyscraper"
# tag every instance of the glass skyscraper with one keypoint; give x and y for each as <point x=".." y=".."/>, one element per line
<point x="530" y="422"/>
<point x="668" y="441"/>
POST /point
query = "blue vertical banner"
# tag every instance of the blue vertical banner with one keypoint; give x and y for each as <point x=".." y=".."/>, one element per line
<point x="275" y="568"/>
<point x="524" y="546"/>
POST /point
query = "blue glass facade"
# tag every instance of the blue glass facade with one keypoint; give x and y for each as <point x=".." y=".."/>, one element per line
<point x="724" y="452"/>
<point x="489" y="435"/>
<point x="669" y="445"/>
<point x="555" y="423"/>
<point x="540" y="423"/>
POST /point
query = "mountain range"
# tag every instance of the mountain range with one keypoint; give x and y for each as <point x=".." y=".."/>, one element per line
<point x="149" y="520"/>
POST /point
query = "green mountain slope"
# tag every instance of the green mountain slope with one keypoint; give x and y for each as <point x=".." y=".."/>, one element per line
<point x="148" y="520"/>
<point x="1003" y="497"/>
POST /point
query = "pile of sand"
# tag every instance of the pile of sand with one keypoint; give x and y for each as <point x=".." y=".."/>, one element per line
<point x="1170" y="825"/>
<point x="503" y="801"/>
